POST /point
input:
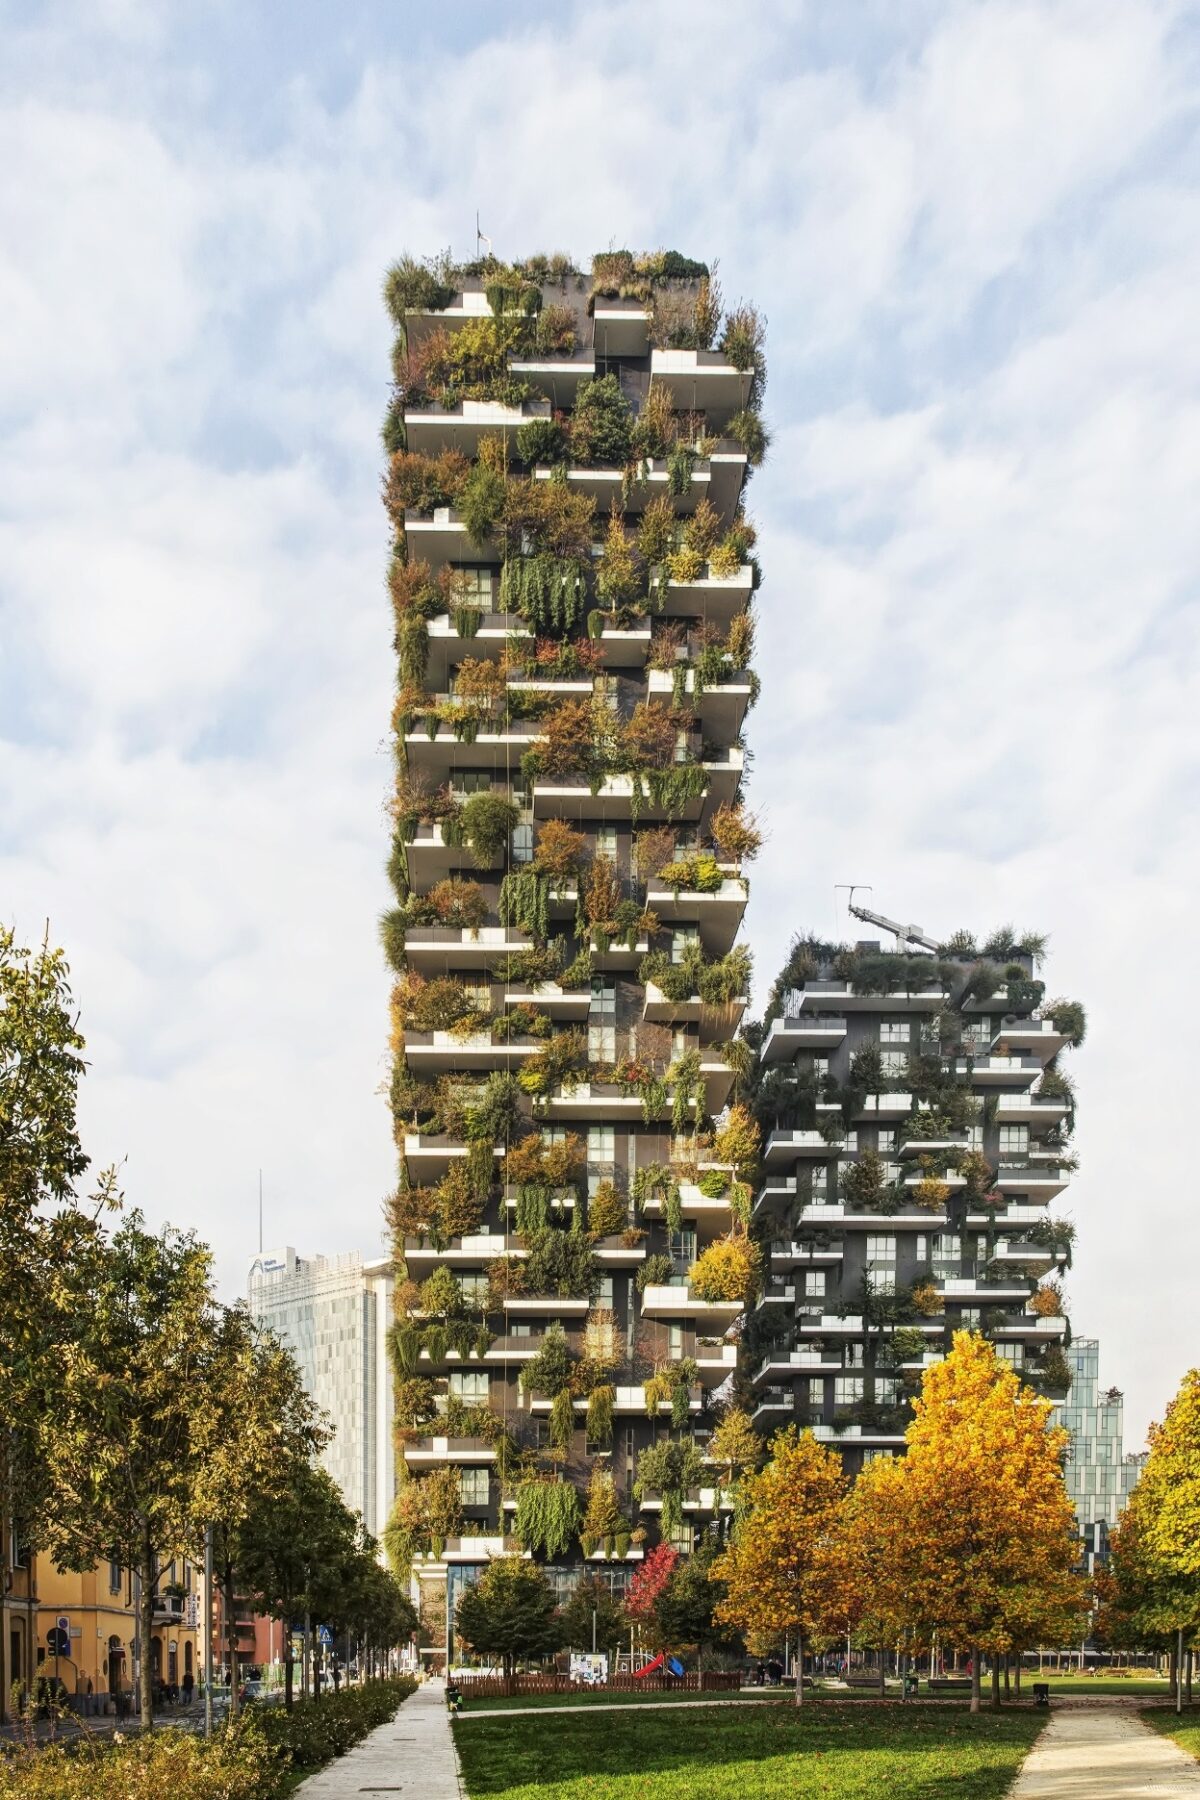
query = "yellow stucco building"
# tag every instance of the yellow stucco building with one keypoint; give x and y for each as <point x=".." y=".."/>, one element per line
<point x="96" y="1655"/>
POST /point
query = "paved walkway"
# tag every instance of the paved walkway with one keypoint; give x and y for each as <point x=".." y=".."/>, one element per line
<point x="1105" y="1754"/>
<point x="411" y="1756"/>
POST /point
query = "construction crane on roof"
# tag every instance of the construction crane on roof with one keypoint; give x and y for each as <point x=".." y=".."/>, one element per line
<point x="907" y="936"/>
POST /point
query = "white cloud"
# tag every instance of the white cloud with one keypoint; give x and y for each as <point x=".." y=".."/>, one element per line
<point x="975" y="248"/>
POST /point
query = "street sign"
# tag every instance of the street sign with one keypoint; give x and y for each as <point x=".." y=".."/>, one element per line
<point x="324" y="1635"/>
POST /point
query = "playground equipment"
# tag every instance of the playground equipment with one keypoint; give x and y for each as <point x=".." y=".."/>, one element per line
<point x="671" y="1664"/>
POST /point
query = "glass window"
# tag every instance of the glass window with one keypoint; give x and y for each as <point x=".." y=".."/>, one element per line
<point x="885" y="1390"/>
<point x="601" y="1144"/>
<point x="947" y="1254"/>
<point x="604" y="1296"/>
<point x="470" y="781"/>
<point x="847" y="1389"/>
<point x="602" y="1043"/>
<point x="894" y="1031"/>
<point x="819" y="1066"/>
<point x="895" y="1063"/>
<point x="1011" y="1353"/>
<point x="682" y="1249"/>
<point x="819" y="1181"/>
<point x="814" y="1284"/>
<point x="681" y="937"/>
<point x="880" y="1250"/>
<point x="974" y="1137"/>
<point x="684" y="1538"/>
<point x="603" y="1002"/>
<point x="675" y="1341"/>
<point x="870" y="1456"/>
<point x="606" y="841"/>
<point x="473" y="1487"/>
<point x="470" y="1386"/>
<point x="885" y="1141"/>
<point x="114" y="1578"/>
<point x="1014" y="1140"/>
<point x="522" y="843"/>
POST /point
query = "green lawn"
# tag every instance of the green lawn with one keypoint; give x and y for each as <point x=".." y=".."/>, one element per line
<point x="1184" y="1728"/>
<point x="753" y="1753"/>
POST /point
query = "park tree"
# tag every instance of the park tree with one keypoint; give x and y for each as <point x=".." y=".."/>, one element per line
<point x="510" y="1612"/>
<point x="867" y="1548"/>
<point x="736" y="1448"/>
<point x="1156" y="1547"/>
<point x="162" y="1417"/>
<point x="779" y="1570"/>
<point x="646" y="1588"/>
<point x="42" y="1221"/>
<point x="685" y="1613"/>
<point x="985" y="1548"/>
<point x="592" y="1618"/>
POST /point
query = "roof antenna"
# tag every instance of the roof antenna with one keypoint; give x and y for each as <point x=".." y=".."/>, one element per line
<point x="482" y="237"/>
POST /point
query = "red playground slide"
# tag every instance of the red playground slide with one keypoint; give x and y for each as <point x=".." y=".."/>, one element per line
<point x="649" y="1668"/>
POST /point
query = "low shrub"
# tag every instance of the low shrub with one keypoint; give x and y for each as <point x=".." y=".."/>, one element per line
<point x="315" y="1731"/>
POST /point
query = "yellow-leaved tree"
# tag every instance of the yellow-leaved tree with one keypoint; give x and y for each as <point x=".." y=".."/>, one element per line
<point x="1157" y="1547"/>
<point x="781" y="1570"/>
<point x="985" y="1548"/>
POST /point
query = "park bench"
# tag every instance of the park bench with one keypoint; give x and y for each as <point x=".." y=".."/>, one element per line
<point x="950" y="1684"/>
<point x="861" y="1681"/>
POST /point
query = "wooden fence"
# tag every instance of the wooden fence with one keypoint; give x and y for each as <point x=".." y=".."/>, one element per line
<point x="505" y="1687"/>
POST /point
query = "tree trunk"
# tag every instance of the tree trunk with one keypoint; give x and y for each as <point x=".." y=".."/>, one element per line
<point x="306" y="1665"/>
<point x="146" y="1628"/>
<point x="1187" y="1677"/>
<point x="882" y="1673"/>
<point x="799" y="1668"/>
<point x="1179" y="1671"/>
<point x="975" y="1687"/>
<point x="289" y="1673"/>
<point x="1017" y="1676"/>
<point x="995" y="1681"/>
<point x="1008" y="1678"/>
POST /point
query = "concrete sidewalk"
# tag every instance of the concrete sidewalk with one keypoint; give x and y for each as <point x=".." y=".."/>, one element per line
<point x="1105" y="1754"/>
<point x="411" y="1756"/>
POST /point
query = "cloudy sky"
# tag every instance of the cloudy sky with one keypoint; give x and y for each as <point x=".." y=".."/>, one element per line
<point x="975" y="232"/>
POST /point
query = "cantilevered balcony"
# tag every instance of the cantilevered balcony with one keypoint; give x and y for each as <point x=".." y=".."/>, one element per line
<point x="429" y="1157"/>
<point x="711" y="1021"/>
<point x="625" y="1400"/>
<point x="431" y="858"/>
<point x="923" y="1146"/>
<point x="548" y="997"/>
<point x="806" y="1256"/>
<point x="441" y="537"/>
<point x="470" y="1252"/>
<point x="442" y="949"/>
<point x="607" y="486"/>
<point x="783" y="1148"/>
<point x="558" y="377"/>
<point x="1037" y="1180"/>
<point x="433" y="1452"/>
<point x="702" y="381"/>
<point x="717" y="916"/>
<point x="661" y="1301"/>
<point x="720" y="708"/>
<point x="496" y="748"/>
<point x="621" y="328"/>
<point x="773" y="1404"/>
<point x="806" y="1031"/>
<point x="998" y="1071"/>
<point x="436" y="428"/>
<point x="613" y="802"/>
<point x="442" y="1052"/>
<point x="1031" y="1037"/>
<point x="1012" y="1253"/>
<point x="546" y="1306"/>
<point x="1029" y="1109"/>
<point x="780" y="1366"/>
<point x="712" y="1210"/>
<point x="717" y="599"/>
<point x="840" y="996"/>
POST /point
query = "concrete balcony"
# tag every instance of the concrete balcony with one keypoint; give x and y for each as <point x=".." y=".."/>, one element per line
<point x="442" y="537"/>
<point x="618" y="958"/>
<point x="917" y="1146"/>
<point x="721" y="708"/>
<point x="548" y="997"/>
<point x="1034" y="1179"/>
<point x="1031" y="1037"/>
<point x="432" y="1452"/>
<point x="1011" y="1253"/>
<point x="546" y="1306"/>
<point x="442" y="1052"/>
<point x="701" y="381"/>
<point x="431" y="858"/>
<point x="626" y="1400"/>
<point x="840" y="997"/>
<point x="465" y="1252"/>
<point x="814" y="1256"/>
<point x="1031" y="1329"/>
<point x="621" y="328"/>
<point x="558" y="377"/>
<point x="699" y="1500"/>
<point x="694" y="1205"/>
<point x="443" y="949"/>
<point x="715" y="1362"/>
<point x="774" y="1296"/>
<point x="671" y="1302"/>
<point x="434" y="429"/>
<point x="998" y="1071"/>
<point x="495" y="747"/>
<point x="787" y="1037"/>
<point x="778" y="1367"/>
<point x="719" y="1021"/>
<point x="773" y="1405"/>
<point x="831" y="1325"/>
<point x="717" y="916"/>
<point x="876" y="1108"/>
<point x="606" y="486"/>
<point x="783" y="1148"/>
<point x="973" y="1290"/>
<point x="169" y="1609"/>
<point x="718" y="599"/>
<point x="1029" y="1109"/>
<point x="600" y="1102"/>
<point x="855" y="1434"/>
<point x="430" y="1157"/>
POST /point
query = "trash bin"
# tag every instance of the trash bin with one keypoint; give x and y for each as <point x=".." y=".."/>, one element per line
<point x="911" y="1683"/>
<point x="1041" y="1693"/>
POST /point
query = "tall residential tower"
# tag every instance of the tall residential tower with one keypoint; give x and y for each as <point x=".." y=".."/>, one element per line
<point x="571" y="583"/>
<point x="916" y="1123"/>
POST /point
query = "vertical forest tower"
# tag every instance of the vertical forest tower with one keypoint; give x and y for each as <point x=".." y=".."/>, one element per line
<point x="571" y="577"/>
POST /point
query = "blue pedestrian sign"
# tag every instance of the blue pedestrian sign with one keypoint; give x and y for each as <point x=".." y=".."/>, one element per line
<point x="324" y="1635"/>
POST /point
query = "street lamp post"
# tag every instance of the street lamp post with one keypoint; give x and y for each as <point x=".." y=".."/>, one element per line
<point x="208" y="1636"/>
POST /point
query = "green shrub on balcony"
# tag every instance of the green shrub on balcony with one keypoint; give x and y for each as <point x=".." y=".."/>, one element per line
<point x="548" y="1515"/>
<point x="656" y="1271"/>
<point x="601" y="424"/>
<point x="670" y="1469"/>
